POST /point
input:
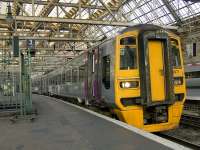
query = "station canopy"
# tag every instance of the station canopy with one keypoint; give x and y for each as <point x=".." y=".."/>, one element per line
<point x="64" y="29"/>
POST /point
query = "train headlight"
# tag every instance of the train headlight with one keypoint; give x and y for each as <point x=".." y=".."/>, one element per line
<point x="129" y="84"/>
<point x="178" y="81"/>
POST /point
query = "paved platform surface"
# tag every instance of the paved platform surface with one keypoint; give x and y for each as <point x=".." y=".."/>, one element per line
<point x="62" y="127"/>
<point x="193" y="94"/>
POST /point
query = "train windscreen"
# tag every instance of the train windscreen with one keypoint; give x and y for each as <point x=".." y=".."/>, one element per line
<point x="175" y="53"/>
<point x="127" y="58"/>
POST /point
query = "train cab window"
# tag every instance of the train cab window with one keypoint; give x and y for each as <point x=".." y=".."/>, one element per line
<point x="106" y="72"/>
<point x="128" y="58"/>
<point x="128" y="41"/>
<point x="175" y="53"/>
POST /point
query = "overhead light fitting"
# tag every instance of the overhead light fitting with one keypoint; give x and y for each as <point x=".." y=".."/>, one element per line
<point x="9" y="17"/>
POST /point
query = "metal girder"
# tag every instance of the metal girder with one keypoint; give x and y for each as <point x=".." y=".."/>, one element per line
<point x="101" y="18"/>
<point x="4" y="25"/>
<point x="191" y="35"/>
<point x="38" y="2"/>
<point x="42" y="69"/>
<point x="69" y="15"/>
<point x="66" y="13"/>
<point x="46" y="64"/>
<point x="23" y="10"/>
<point x="45" y="12"/>
<point x="51" y="38"/>
<point x="66" y="56"/>
<point x="106" y="7"/>
<point x="172" y="11"/>
<point x="47" y="49"/>
<point x="195" y="21"/>
<point x="15" y="8"/>
<point x="69" y="21"/>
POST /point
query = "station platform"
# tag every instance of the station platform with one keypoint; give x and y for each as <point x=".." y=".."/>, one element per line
<point x="193" y="94"/>
<point x="64" y="126"/>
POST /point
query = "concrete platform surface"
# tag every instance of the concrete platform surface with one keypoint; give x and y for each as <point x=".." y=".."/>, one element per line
<point x="62" y="127"/>
<point x="193" y="94"/>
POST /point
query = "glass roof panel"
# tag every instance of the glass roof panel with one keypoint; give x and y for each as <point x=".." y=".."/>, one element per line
<point x="136" y="11"/>
<point x="185" y="9"/>
<point x="2" y="8"/>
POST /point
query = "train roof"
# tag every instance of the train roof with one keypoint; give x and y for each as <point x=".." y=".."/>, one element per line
<point x="144" y="27"/>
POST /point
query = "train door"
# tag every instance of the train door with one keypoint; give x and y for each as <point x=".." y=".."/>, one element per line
<point x="156" y="70"/>
<point x="93" y="75"/>
<point x="156" y="67"/>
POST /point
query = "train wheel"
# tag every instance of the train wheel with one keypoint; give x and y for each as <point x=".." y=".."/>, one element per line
<point x="80" y="101"/>
<point x="87" y="102"/>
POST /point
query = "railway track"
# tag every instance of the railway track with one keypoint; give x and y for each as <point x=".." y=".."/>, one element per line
<point x="179" y="141"/>
<point x="190" y="120"/>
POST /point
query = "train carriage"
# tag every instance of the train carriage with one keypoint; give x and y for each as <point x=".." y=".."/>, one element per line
<point x="138" y="74"/>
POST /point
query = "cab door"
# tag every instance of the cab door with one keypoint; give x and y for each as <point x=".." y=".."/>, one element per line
<point x="156" y="67"/>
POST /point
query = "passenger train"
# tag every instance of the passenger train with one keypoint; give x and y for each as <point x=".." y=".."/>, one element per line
<point x="138" y="75"/>
<point x="192" y="73"/>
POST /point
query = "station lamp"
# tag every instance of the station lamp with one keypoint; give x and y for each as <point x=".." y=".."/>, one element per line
<point x="9" y="17"/>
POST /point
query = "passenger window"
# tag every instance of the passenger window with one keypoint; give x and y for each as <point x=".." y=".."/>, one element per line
<point x="68" y="76"/>
<point x="128" y="58"/>
<point x="59" y="79"/>
<point x="63" y="78"/>
<point x="81" y="73"/>
<point x="106" y="72"/>
<point x="74" y="75"/>
<point x="175" y="53"/>
<point x="54" y="80"/>
<point x="128" y="41"/>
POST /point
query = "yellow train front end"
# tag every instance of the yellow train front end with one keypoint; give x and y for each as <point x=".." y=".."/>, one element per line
<point x="149" y="79"/>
